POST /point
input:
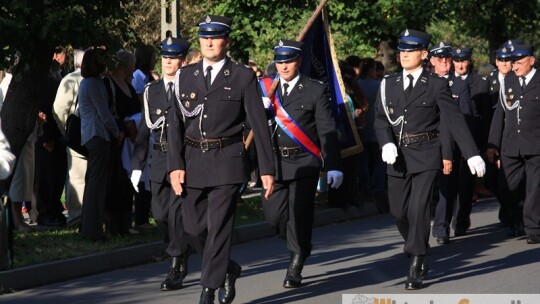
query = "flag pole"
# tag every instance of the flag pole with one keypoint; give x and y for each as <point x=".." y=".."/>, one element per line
<point x="300" y="37"/>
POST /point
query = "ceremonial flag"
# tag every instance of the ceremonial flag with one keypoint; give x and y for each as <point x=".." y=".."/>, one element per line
<point x="320" y="62"/>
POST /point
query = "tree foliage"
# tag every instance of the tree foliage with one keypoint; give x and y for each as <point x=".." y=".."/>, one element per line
<point x="34" y="28"/>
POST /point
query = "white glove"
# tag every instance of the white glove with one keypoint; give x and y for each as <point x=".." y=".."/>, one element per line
<point x="389" y="153"/>
<point x="477" y="165"/>
<point x="334" y="178"/>
<point x="266" y="102"/>
<point x="135" y="178"/>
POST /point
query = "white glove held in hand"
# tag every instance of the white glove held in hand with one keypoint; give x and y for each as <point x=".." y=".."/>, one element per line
<point x="389" y="153"/>
<point x="334" y="178"/>
<point x="135" y="178"/>
<point x="477" y="165"/>
<point x="266" y="102"/>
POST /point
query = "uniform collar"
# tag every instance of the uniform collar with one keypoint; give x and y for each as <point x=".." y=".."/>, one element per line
<point x="416" y="74"/>
<point x="291" y="83"/>
<point x="464" y="77"/>
<point x="530" y="75"/>
<point x="216" y="67"/>
<point x="166" y="82"/>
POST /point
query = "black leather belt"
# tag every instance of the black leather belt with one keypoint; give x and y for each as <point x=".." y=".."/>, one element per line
<point x="289" y="151"/>
<point x="412" y="138"/>
<point x="161" y="146"/>
<point x="208" y="144"/>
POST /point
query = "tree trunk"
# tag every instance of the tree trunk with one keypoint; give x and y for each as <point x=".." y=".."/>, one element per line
<point x="387" y="55"/>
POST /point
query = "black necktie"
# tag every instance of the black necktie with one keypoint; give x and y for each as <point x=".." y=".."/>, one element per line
<point x="408" y="90"/>
<point x="285" y="87"/>
<point x="170" y="92"/>
<point x="523" y="84"/>
<point x="208" y="77"/>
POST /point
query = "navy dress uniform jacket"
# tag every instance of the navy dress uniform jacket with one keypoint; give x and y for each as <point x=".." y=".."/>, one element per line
<point x="513" y="132"/>
<point x="308" y="104"/>
<point x="428" y="107"/>
<point x="232" y="98"/>
<point x="479" y="92"/>
<point x="460" y="93"/>
<point x="158" y="106"/>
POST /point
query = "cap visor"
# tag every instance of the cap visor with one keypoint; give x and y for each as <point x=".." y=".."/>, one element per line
<point x="210" y="34"/>
<point x="408" y="47"/>
<point x="285" y="58"/>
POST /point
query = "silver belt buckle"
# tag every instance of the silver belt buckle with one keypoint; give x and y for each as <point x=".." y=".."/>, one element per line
<point x="204" y="145"/>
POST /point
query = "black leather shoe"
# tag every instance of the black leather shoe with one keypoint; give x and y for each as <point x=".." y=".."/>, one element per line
<point x="443" y="240"/>
<point x="293" y="278"/>
<point x="176" y="275"/>
<point x="414" y="278"/>
<point x="207" y="296"/>
<point x="460" y="233"/>
<point x="228" y="291"/>
<point x="462" y="230"/>
<point x="516" y="230"/>
<point x="424" y="270"/>
<point x="533" y="239"/>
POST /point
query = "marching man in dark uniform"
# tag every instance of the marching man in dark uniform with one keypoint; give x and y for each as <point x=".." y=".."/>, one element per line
<point x="304" y="137"/>
<point x="152" y="135"/>
<point x="449" y="182"/>
<point x="479" y="96"/>
<point x="411" y="106"/>
<point x="514" y="136"/>
<point x="207" y="158"/>
<point x="510" y="213"/>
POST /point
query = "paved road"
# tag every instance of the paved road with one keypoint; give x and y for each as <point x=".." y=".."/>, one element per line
<point x="355" y="257"/>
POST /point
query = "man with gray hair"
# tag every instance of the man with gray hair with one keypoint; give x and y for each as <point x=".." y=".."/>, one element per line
<point x="65" y="104"/>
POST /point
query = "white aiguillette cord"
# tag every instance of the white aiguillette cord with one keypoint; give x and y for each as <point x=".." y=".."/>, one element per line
<point x="396" y="122"/>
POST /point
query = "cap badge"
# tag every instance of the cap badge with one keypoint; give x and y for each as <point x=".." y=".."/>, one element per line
<point x="208" y="20"/>
<point x="511" y="48"/>
<point x="504" y="50"/>
<point x="196" y="73"/>
<point x="169" y="41"/>
<point x="192" y="95"/>
<point x="406" y="33"/>
<point x="509" y="42"/>
<point x="187" y="103"/>
<point x="158" y="111"/>
<point x="441" y="44"/>
<point x="280" y="43"/>
<point x="226" y="73"/>
<point x="458" y="51"/>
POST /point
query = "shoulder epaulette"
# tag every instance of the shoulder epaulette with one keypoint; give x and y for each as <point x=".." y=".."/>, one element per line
<point x="188" y="66"/>
<point x="151" y="83"/>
